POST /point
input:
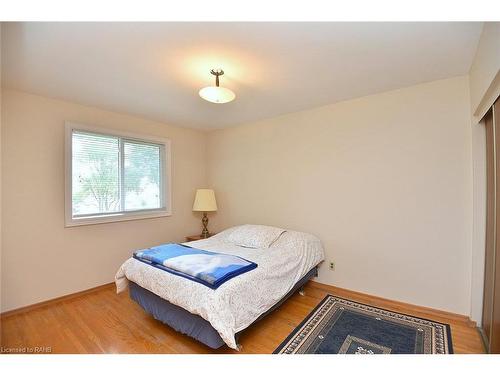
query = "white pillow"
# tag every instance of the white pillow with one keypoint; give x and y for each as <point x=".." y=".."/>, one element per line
<point x="254" y="236"/>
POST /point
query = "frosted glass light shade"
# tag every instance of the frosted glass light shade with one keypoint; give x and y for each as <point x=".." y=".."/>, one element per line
<point x="205" y="200"/>
<point x="217" y="94"/>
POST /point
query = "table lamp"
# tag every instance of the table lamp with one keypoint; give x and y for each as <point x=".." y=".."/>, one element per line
<point x="204" y="201"/>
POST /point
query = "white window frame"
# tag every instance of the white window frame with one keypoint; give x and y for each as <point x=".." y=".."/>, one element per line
<point x="71" y="221"/>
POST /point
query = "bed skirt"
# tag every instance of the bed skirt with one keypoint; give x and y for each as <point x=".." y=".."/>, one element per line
<point x="191" y="324"/>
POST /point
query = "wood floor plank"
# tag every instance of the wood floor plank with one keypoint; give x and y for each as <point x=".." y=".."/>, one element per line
<point x="101" y="321"/>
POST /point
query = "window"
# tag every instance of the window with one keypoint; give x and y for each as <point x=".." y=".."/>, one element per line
<point x="114" y="176"/>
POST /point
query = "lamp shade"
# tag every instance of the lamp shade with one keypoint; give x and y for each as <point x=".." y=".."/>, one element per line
<point x="205" y="200"/>
<point x="217" y="94"/>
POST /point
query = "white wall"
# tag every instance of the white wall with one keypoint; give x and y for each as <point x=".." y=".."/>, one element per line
<point x="41" y="258"/>
<point x="385" y="181"/>
<point x="484" y="80"/>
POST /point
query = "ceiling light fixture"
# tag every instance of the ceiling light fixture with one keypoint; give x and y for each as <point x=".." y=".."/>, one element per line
<point x="216" y="94"/>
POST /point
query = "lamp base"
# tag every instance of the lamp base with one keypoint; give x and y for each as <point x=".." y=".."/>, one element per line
<point x="204" y="221"/>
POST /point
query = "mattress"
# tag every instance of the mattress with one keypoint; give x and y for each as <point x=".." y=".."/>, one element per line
<point x="239" y="302"/>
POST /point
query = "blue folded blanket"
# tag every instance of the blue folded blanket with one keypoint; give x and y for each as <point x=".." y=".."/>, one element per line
<point x="205" y="267"/>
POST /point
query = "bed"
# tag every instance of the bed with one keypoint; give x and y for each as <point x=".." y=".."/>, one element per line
<point x="286" y="260"/>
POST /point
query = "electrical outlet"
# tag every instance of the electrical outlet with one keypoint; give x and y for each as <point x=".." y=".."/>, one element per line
<point x="332" y="266"/>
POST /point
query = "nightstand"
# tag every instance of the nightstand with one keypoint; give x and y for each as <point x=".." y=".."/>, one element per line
<point x="197" y="237"/>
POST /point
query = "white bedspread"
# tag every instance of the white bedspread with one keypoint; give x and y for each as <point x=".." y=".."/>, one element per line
<point x="240" y="301"/>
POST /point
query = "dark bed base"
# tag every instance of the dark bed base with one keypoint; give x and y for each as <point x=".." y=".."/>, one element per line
<point x="194" y="325"/>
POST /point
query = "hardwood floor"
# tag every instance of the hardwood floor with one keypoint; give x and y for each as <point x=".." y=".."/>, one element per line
<point x="103" y="322"/>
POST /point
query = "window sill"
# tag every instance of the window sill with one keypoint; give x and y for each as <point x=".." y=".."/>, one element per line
<point x="91" y="220"/>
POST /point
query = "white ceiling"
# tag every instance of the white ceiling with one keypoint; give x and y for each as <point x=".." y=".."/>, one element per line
<point x="156" y="69"/>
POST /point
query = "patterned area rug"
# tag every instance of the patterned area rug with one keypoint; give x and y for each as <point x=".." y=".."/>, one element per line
<point x="341" y="326"/>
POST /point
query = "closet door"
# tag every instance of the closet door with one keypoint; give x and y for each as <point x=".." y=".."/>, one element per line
<point x="490" y="227"/>
<point x="495" y="262"/>
<point x="491" y="297"/>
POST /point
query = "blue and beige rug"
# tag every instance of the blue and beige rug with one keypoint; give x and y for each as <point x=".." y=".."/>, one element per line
<point x="341" y="326"/>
